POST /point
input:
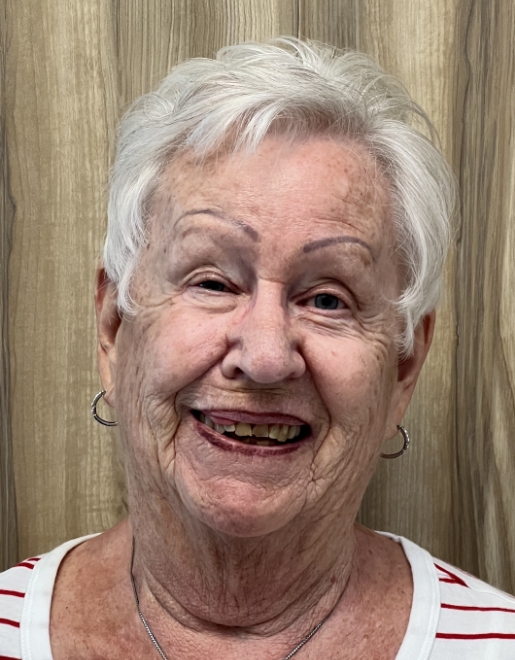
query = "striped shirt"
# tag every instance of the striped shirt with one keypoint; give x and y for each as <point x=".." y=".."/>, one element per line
<point x="454" y="616"/>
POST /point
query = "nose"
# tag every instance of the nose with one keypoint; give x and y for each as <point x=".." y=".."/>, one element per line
<point x="261" y="342"/>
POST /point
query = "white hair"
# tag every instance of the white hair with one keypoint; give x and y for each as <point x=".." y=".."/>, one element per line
<point x="292" y="88"/>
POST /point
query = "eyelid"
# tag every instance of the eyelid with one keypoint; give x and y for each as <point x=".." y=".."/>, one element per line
<point x="329" y="289"/>
<point x="204" y="276"/>
<point x="198" y="278"/>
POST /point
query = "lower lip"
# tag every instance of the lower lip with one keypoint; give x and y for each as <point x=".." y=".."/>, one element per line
<point x="228" y="444"/>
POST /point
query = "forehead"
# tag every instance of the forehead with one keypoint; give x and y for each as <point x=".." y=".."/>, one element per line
<point x="310" y="187"/>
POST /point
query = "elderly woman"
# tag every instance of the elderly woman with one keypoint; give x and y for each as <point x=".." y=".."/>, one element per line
<point x="277" y="231"/>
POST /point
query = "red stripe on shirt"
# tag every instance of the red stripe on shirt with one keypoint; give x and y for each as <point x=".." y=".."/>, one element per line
<point x="33" y="559"/>
<point x="475" y="636"/>
<point x="8" y="592"/>
<point x="472" y="608"/>
<point x="452" y="577"/>
<point x="10" y="622"/>
<point x="25" y="564"/>
<point x="8" y="657"/>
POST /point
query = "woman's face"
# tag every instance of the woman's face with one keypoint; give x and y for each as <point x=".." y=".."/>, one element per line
<point x="262" y="310"/>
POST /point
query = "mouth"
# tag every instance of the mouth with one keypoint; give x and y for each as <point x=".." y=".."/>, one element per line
<point x="271" y="434"/>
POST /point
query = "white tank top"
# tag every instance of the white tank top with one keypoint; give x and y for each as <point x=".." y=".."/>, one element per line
<point x="454" y="616"/>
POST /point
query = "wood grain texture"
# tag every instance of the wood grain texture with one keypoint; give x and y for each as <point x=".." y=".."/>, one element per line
<point x="62" y="111"/>
<point x="154" y="35"/>
<point x="403" y="496"/>
<point x="70" y="70"/>
<point x="334" y="22"/>
<point x="8" y="520"/>
<point x="485" y="410"/>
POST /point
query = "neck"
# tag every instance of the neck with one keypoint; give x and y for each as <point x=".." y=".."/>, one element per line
<point x="289" y="579"/>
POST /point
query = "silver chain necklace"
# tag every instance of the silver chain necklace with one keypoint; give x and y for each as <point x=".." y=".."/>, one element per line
<point x="302" y="642"/>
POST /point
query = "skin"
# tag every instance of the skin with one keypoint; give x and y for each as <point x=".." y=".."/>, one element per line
<point x="244" y="549"/>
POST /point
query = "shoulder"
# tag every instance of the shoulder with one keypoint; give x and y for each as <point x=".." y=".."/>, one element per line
<point x="454" y="615"/>
<point x="14" y="584"/>
<point x="473" y="611"/>
<point x="26" y="592"/>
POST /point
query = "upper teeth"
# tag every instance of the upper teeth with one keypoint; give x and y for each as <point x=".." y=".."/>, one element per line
<point x="279" y="432"/>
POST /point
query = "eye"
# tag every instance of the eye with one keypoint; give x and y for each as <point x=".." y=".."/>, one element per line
<point x="327" y="301"/>
<point x="213" y="285"/>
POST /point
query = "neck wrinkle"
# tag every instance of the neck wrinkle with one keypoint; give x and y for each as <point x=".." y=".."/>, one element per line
<point x="229" y="602"/>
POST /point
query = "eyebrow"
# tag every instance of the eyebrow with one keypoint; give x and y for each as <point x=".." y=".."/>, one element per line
<point x="254" y="235"/>
<point x="333" y="240"/>
<point x="250" y="231"/>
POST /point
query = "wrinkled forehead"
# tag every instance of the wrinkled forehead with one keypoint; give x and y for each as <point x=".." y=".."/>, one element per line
<point x="320" y="180"/>
<point x="287" y="213"/>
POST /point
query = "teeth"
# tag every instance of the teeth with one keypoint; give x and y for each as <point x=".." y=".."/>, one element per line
<point x="260" y="431"/>
<point x="274" y="431"/>
<point x="279" y="432"/>
<point x="243" y="429"/>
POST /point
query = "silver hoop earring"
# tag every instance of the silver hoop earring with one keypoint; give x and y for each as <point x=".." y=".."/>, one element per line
<point x="404" y="449"/>
<point x="97" y="417"/>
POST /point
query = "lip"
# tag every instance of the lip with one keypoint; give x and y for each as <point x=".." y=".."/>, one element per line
<point x="224" y="416"/>
<point x="228" y="444"/>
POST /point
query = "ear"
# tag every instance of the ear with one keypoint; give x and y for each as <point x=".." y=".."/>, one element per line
<point x="408" y="371"/>
<point x="108" y="324"/>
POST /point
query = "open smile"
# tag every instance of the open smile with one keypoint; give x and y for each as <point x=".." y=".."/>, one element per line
<point x="272" y="433"/>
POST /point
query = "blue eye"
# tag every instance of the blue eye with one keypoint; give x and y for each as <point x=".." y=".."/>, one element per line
<point x="213" y="285"/>
<point x="326" y="301"/>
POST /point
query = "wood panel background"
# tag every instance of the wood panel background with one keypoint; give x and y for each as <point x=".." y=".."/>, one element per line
<point x="68" y="69"/>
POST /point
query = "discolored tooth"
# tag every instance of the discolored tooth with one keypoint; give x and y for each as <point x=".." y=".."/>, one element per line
<point x="202" y="418"/>
<point x="209" y="422"/>
<point x="260" y="431"/>
<point x="265" y="442"/>
<point x="243" y="429"/>
<point x="220" y="428"/>
<point x="230" y="428"/>
<point x="273" y="431"/>
<point x="283" y="433"/>
<point x="294" y="432"/>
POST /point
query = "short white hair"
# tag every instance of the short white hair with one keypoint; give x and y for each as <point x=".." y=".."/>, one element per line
<point x="292" y="88"/>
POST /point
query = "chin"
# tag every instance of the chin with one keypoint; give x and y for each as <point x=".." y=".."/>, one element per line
<point x="240" y="512"/>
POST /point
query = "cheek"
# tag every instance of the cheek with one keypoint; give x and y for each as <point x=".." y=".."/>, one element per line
<point x="161" y="354"/>
<point x="353" y="378"/>
<point x="171" y="350"/>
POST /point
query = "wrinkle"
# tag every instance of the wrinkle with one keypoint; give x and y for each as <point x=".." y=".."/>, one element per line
<point x="229" y="540"/>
